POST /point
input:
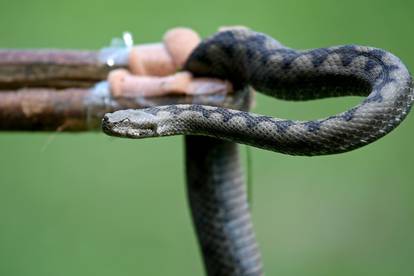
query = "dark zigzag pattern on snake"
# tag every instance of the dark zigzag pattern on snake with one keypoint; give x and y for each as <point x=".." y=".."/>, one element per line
<point x="256" y="50"/>
<point x="251" y="121"/>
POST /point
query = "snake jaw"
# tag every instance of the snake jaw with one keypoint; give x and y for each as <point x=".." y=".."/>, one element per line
<point x="131" y="124"/>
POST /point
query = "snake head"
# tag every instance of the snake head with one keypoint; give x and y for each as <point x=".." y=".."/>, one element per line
<point x="131" y="124"/>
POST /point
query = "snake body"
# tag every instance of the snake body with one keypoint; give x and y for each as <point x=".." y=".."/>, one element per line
<point x="219" y="207"/>
<point x="247" y="58"/>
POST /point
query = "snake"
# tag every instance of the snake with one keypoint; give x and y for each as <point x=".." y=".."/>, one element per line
<point x="215" y="185"/>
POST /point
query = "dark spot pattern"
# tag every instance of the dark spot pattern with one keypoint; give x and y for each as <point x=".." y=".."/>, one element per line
<point x="370" y="65"/>
<point x="313" y="126"/>
<point x="349" y="114"/>
<point x="319" y="56"/>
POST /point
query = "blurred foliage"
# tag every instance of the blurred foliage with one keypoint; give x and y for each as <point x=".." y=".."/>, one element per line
<point x="88" y="204"/>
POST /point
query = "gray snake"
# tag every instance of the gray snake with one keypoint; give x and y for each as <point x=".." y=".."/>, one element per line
<point x="246" y="58"/>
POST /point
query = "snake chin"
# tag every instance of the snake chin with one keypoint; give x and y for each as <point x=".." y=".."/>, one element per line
<point x="130" y="123"/>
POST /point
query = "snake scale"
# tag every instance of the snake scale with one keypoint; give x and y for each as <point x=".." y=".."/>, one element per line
<point x="214" y="179"/>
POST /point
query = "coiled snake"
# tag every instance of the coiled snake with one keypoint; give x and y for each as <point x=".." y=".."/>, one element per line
<point x="246" y="58"/>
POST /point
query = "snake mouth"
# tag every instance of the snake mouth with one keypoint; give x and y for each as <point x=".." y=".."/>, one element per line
<point x="130" y="124"/>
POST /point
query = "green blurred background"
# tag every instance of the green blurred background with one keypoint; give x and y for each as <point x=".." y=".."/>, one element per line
<point x="88" y="204"/>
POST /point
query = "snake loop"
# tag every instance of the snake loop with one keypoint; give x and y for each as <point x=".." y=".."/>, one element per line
<point x="249" y="58"/>
<point x="214" y="180"/>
